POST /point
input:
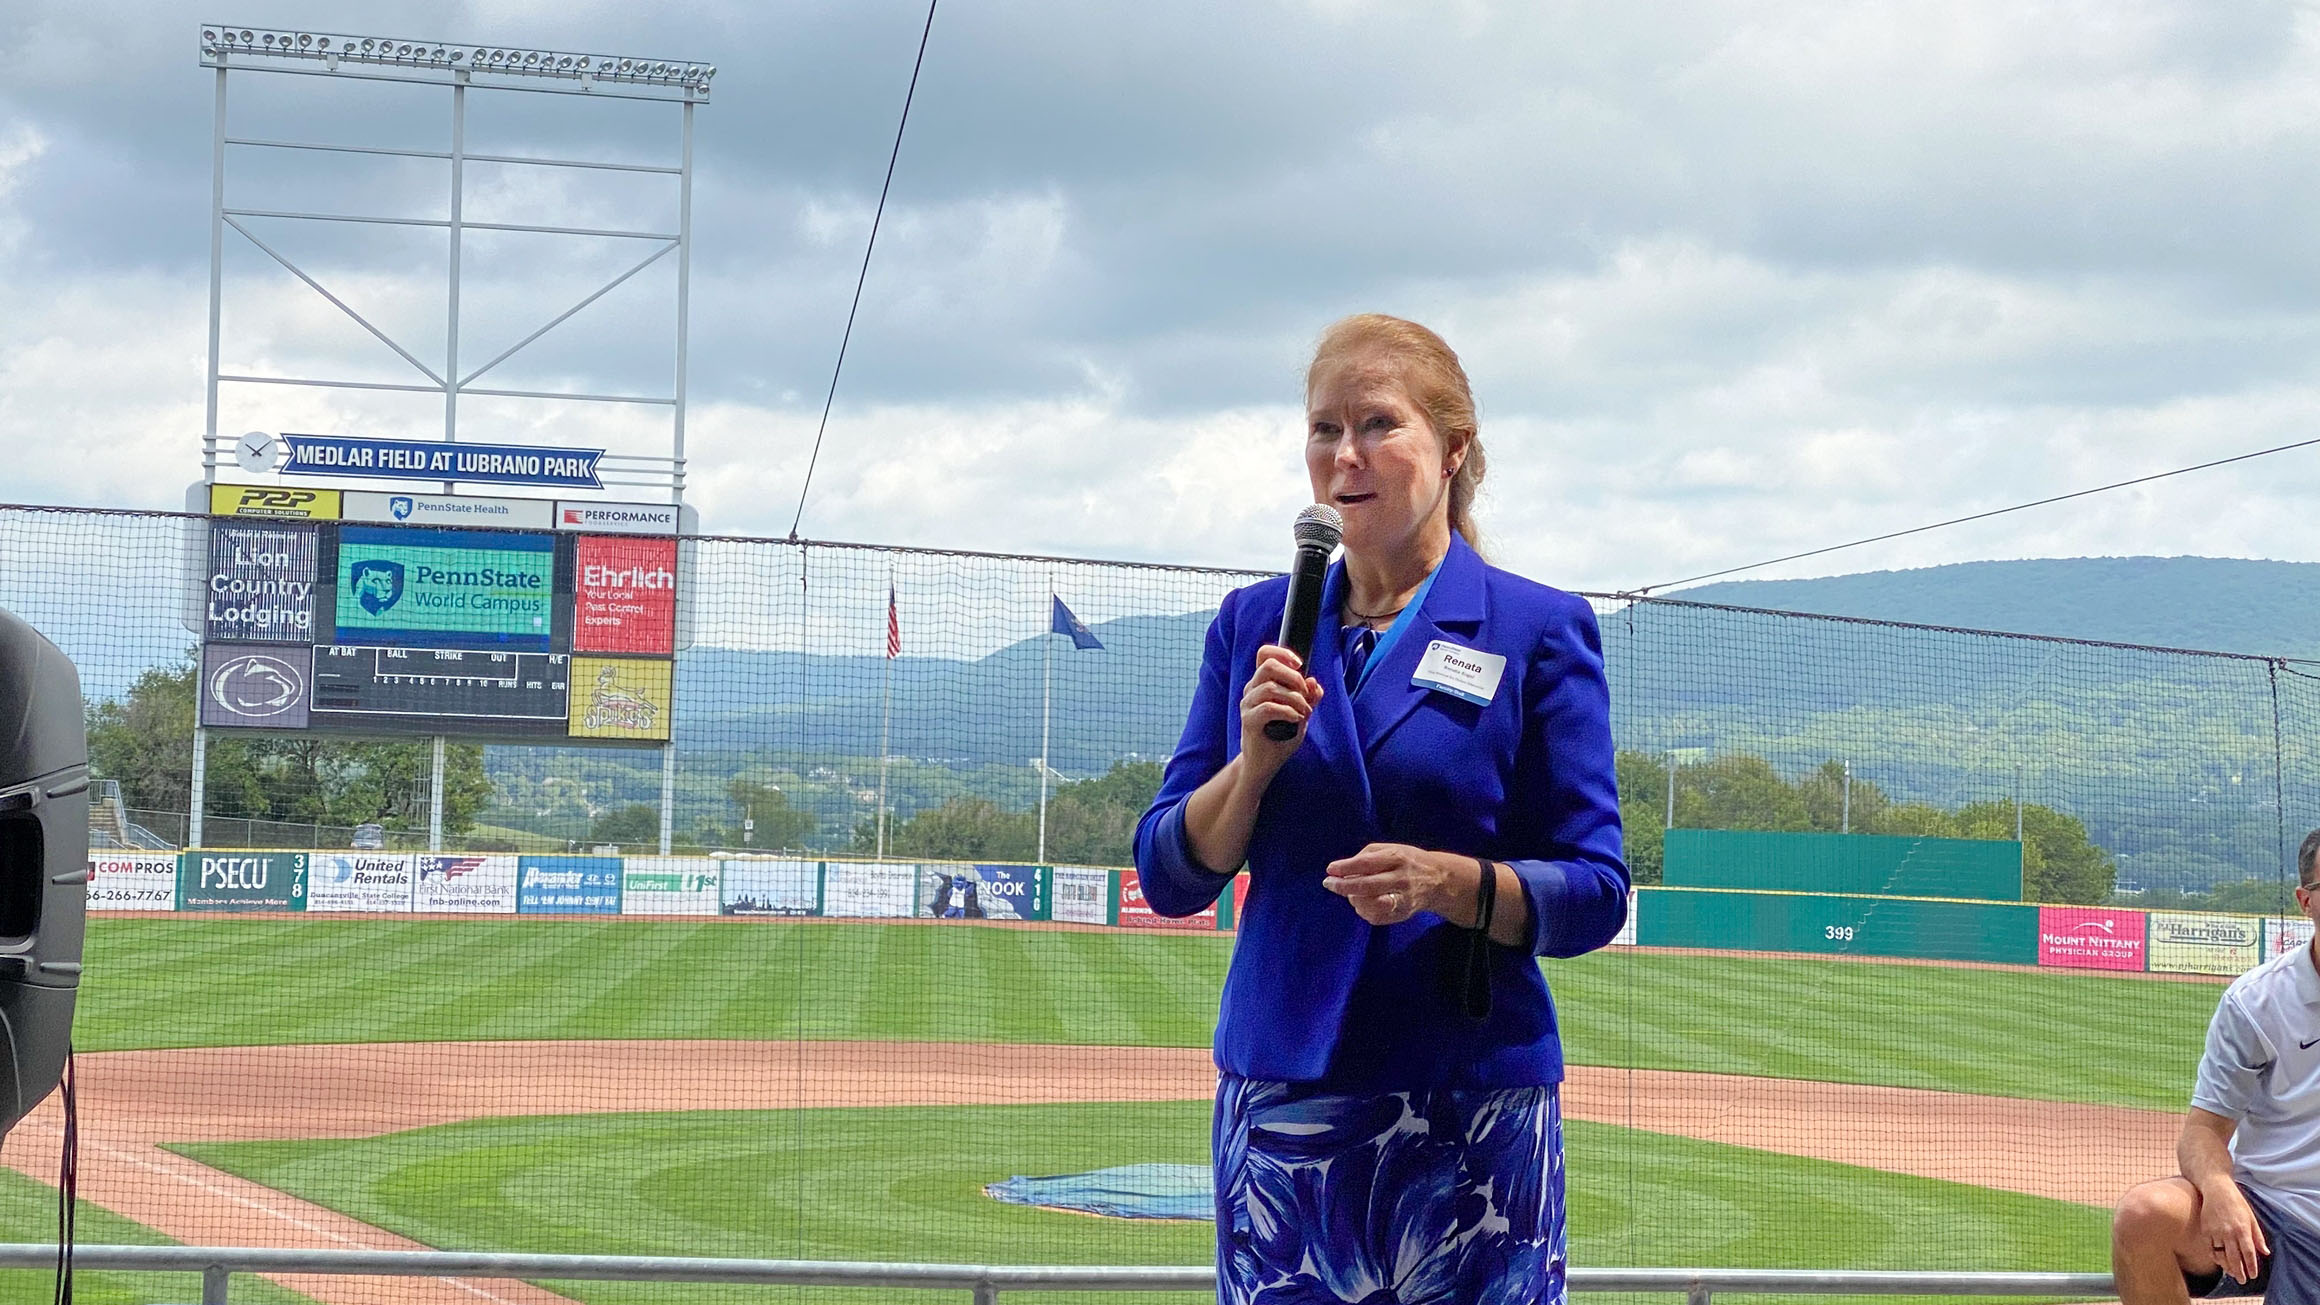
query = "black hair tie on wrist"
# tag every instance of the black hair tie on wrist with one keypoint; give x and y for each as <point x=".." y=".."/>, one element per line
<point x="1475" y="999"/>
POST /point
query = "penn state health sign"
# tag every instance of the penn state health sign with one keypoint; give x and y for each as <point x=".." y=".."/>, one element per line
<point x="494" y="464"/>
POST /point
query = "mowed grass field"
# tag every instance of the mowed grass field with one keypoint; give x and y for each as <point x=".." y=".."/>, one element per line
<point x="907" y="1184"/>
<point x="216" y="981"/>
<point x="28" y="1214"/>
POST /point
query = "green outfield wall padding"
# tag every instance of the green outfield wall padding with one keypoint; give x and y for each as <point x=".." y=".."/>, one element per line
<point x="1838" y="925"/>
<point x="1984" y="869"/>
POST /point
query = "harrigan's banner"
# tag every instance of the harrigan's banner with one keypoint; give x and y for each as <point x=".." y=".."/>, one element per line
<point x="2091" y="938"/>
<point x="669" y="885"/>
<point x="464" y="885"/>
<point x="981" y="892"/>
<point x="132" y="881"/>
<point x="2187" y="943"/>
<point x="359" y="881"/>
<point x="241" y="881"/>
<point x="770" y="886"/>
<point x="1083" y="894"/>
<point x="568" y="885"/>
<point x="1135" y="913"/>
<point x="872" y="891"/>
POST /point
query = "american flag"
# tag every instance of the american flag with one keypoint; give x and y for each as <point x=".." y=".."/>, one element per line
<point x="893" y="626"/>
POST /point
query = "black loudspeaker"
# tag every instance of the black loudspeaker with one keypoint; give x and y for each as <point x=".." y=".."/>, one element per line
<point x="44" y="862"/>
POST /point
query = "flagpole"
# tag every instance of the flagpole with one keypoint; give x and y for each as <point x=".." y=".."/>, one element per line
<point x="885" y="721"/>
<point x="1046" y="701"/>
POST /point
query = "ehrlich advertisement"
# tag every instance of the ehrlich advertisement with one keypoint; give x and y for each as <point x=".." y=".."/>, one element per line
<point x="445" y="588"/>
<point x="568" y="885"/>
<point x="981" y="892"/>
<point x="241" y="881"/>
<point x="260" y="584"/>
<point x="132" y="881"/>
<point x="624" y="595"/>
<point x="2091" y="938"/>
<point x="770" y="886"/>
<point x="359" y="881"/>
<point x="669" y="885"/>
<point x="2183" y="942"/>
<point x="464" y="885"/>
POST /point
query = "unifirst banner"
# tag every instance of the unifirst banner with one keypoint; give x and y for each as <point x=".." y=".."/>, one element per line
<point x="2186" y="943"/>
<point x="568" y="885"/>
<point x="132" y="881"/>
<point x="359" y="881"/>
<point x="2091" y="938"/>
<point x="241" y="881"/>
<point x="464" y="885"/>
<point x="669" y="885"/>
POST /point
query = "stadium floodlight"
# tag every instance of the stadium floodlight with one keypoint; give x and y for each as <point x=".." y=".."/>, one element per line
<point x="221" y="41"/>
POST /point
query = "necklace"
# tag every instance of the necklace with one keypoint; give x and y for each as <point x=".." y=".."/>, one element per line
<point x="1374" y="616"/>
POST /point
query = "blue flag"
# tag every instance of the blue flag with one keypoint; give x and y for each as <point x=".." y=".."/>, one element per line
<point x="1066" y="623"/>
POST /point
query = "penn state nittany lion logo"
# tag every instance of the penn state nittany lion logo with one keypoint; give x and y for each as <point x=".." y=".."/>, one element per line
<point x="378" y="584"/>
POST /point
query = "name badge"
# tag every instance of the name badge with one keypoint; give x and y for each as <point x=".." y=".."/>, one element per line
<point x="1460" y="672"/>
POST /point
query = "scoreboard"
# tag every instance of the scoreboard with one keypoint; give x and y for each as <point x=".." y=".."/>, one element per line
<point x="374" y="627"/>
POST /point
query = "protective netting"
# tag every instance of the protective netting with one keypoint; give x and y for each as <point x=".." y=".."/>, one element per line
<point x="603" y="995"/>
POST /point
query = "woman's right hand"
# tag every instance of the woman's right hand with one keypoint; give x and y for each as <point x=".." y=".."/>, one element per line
<point x="1278" y="691"/>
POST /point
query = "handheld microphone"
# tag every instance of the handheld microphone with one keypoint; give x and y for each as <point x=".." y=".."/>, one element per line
<point x="1318" y="529"/>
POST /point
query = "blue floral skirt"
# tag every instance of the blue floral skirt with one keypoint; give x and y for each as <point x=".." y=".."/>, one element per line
<point x="1406" y="1198"/>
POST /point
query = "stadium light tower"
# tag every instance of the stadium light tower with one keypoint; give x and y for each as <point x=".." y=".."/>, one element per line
<point x="458" y="68"/>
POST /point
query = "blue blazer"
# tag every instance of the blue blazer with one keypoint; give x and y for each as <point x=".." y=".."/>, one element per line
<point x="1316" y="994"/>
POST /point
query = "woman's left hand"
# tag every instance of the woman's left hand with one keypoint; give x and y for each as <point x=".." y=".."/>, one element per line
<point x="1388" y="883"/>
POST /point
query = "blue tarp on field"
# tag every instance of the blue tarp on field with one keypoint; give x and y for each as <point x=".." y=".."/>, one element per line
<point x="1127" y="1192"/>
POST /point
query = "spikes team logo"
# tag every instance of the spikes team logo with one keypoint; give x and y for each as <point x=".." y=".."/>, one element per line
<point x="378" y="584"/>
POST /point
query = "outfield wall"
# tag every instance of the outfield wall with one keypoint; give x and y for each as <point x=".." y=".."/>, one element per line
<point x="1709" y="919"/>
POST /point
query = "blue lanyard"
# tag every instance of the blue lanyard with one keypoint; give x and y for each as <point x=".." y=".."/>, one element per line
<point x="1401" y="623"/>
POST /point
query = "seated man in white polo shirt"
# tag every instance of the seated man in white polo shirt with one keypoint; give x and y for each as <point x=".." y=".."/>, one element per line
<point x="2243" y="1218"/>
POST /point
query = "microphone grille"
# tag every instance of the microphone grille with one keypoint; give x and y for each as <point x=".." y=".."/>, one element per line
<point x="1319" y="525"/>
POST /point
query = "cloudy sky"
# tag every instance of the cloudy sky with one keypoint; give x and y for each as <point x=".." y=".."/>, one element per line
<point x="1731" y="280"/>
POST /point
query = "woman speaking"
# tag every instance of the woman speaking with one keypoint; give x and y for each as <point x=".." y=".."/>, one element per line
<point x="1387" y="1121"/>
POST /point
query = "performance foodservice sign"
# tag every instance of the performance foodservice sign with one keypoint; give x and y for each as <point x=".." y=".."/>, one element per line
<point x="1136" y="913"/>
<point x="241" y="881"/>
<point x="568" y="885"/>
<point x="624" y="596"/>
<point x="359" y="881"/>
<point x="669" y="885"/>
<point x="2091" y="938"/>
<point x="464" y="885"/>
<point x="2186" y="943"/>
<point x="260" y="584"/>
<point x="770" y="886"/>
<point x="132" y="881"/>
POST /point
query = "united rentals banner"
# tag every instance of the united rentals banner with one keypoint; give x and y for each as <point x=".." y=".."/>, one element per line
<point x="2186" y="943"/>
<point x="770" y="886"/>
<point x="669" y="885"/>
<point x="132" y="881"/>
<point x="241" y="881"/>
<point x="359" y="881"/>
<point x="464" y="885"/>
<point x="2091" y="938"/>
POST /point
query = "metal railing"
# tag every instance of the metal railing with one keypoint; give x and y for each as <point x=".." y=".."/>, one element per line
<point x="218" y="1264"/>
